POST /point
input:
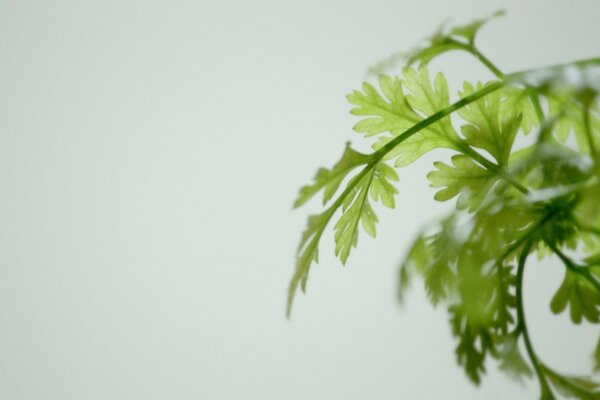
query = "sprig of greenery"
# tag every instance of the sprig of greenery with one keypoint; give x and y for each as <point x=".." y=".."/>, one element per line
<point x="511" y="201"/>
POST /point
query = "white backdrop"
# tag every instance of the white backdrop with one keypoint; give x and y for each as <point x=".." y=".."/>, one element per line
<point x="149" y="155"/>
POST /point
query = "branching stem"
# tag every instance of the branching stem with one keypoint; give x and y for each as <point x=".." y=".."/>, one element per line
<point x="573" y="266"/>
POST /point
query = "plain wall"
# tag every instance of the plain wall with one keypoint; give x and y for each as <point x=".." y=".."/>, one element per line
<point x="150" y="152"/>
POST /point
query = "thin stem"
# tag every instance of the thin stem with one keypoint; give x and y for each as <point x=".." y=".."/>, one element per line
<point x="537" y="106"/>
<point x="573" y="266"/>
<point x="522" y="326"/>
<point x="588" y="128"/>
<point x="379" y="154"/>
<point x="486" y="61"/>
<point x="499" y="74"/>
<point x="516" y="76"/>
<point x="469" y="151"/>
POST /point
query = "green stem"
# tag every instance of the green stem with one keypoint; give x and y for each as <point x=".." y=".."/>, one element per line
<point x="516" y="76"/>
<point x="486" y="61"/>
<point x="546" y="392"/>
<point x="469" y="151"/>
<point x="500" y="75"/>
<point x="535" y="99"/>
<point x="588" y="128"/>
<point x="379" y="154"/>
<point x="573" y="266"/>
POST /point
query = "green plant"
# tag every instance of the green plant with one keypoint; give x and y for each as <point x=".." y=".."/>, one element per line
<point x="512" y="201"/>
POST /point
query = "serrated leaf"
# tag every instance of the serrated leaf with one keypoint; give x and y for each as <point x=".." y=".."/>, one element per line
<point x="486" y="130"/>
<point x="308" y="252"/>
<point x="460" y="37"/>
<point x="500" y="226"/>
<point x="511" y="359"/>
<point x="437" y="47"/>
<point x="570" y="121"/>
<point x="427" y="98"/>
<point x="470" y="30"/>
<point x="329" y="180"/>
<point x="474" y="343"/>
<point x="438" y="269"/>
<point x="515" y="101"/>
<point x="382" y="189"/>
<point x="576" y="387"/>
<point x="415" y="261"/>
<point x="386" y="112"/>
<point x="580" y="296"/>
<point x="357" y="209"/>
<point x="464" y="178"/>
<point x="482" y="311"/>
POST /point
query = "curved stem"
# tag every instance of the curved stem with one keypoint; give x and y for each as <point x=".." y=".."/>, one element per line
<point x="572" y="265"/>
<point x="546" y="392"/>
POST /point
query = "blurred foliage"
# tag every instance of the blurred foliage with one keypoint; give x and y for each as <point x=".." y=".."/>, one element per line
<point x="511" y="201"/>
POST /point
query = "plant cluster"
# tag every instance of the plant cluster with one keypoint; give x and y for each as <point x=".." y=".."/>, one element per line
<point x="511" y="201"/>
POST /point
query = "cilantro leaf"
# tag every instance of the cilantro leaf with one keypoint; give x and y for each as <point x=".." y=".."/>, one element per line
<point x="580" y="295"/>
<point x="424" y="98"/>
<point x="329" y="180"/>
<point x="385" y="113"/>
<point x="357" y="208"/>
<point x="465" y="179"/>
<point x="461" y="37"/>
<point x="308" y="252"/>
<point x="511" y="360"/>
<point x="576" y="387"/>
<point x="515" y="101"/>
<point x="474" y="343"/>
<point x="485" y="129"/>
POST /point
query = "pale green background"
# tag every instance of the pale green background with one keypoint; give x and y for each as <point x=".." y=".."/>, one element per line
<point x="149" y="156"/>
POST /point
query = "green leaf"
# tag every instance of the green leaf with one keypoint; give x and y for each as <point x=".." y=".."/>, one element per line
<point x="577" y="387"/>
<point x="486" y="130"/>
<point x="308" y="252"/>
<point x="482" y="312"/>
<point x="474" y="343"/>
<point x="424" y="98"/>
<point x="415" y="261"/>
<point x="587" y="210"/>
<point x="469" y="31"/>
<point x="442" y="252"/>
<point x="580" y="295"/>
<point x="329" y="180"/>
<point x="500" y="226"/>
<point x="515" y="101"/>
<point x="382" y="189"/>
<point x="569" y="114"/>
<point x="437" y="46"/>
<point x="384" y="113"/>
<point x="357" y="209"/>
<point x="460" y="37"/>
<point x="511" y="360"/>
<point x="464" y="178"/>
